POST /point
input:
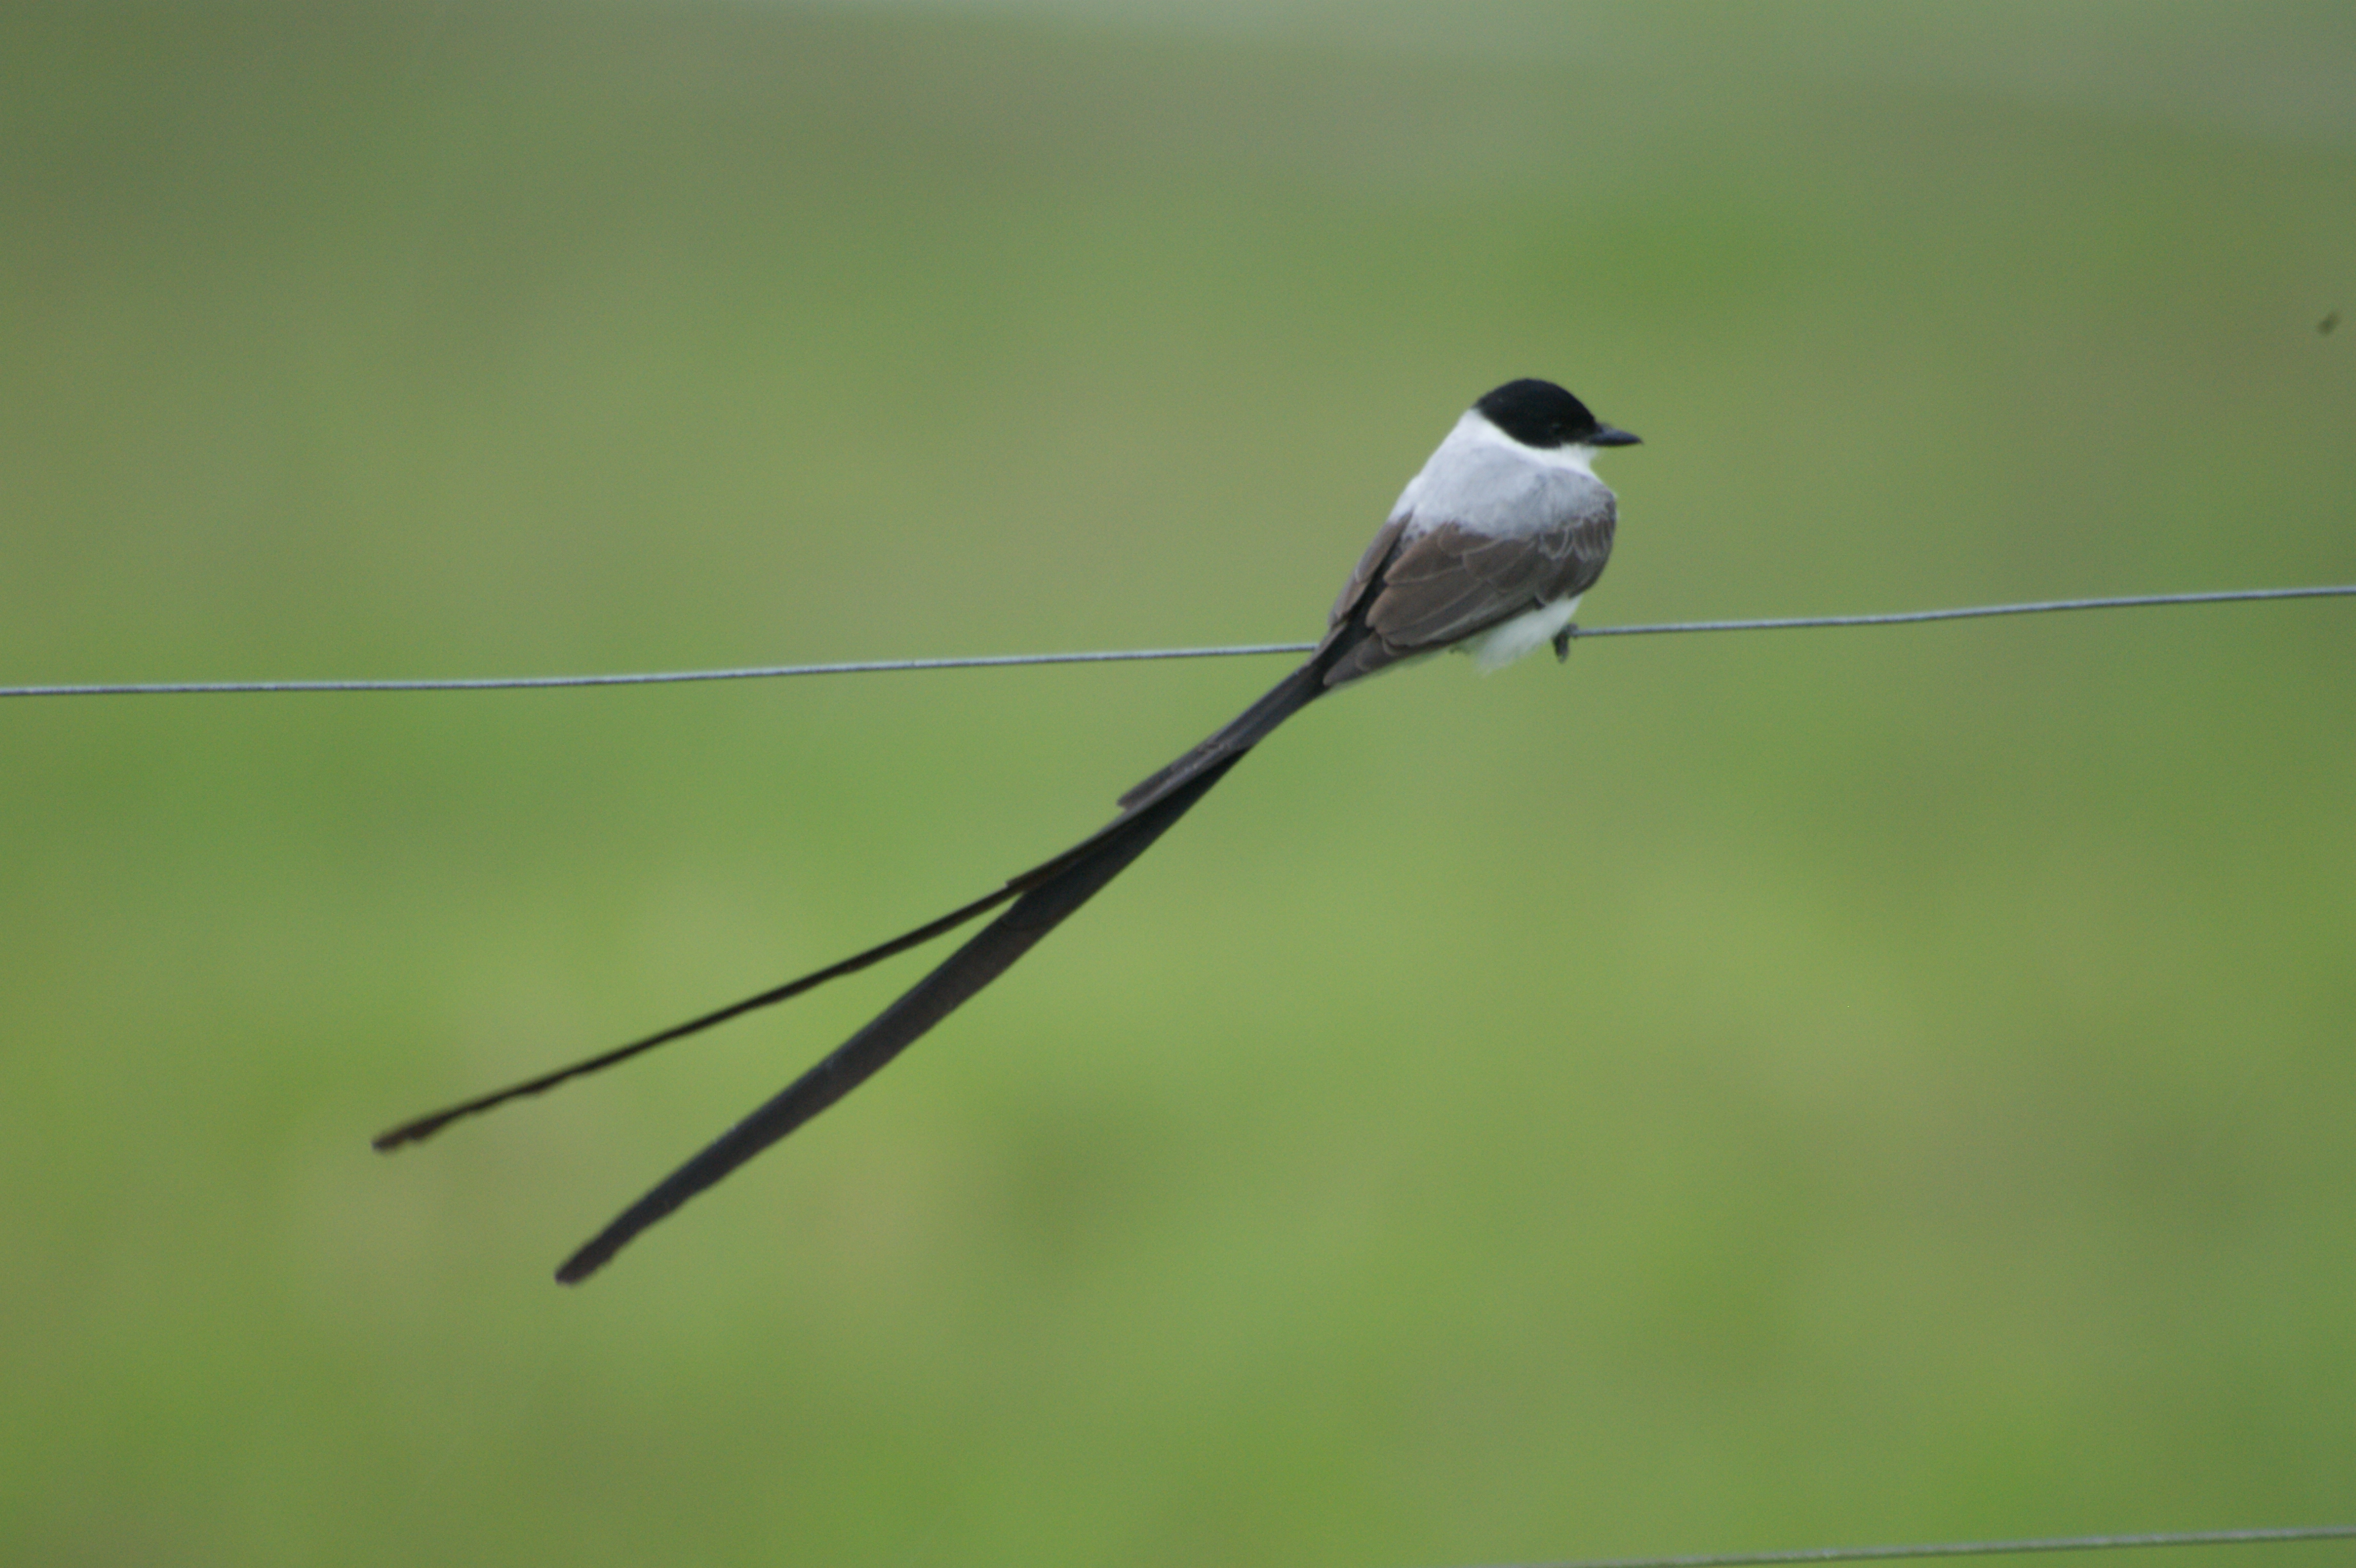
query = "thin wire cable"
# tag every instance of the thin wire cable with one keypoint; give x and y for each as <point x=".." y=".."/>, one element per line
<point x="654" y="678"/>
<point x="1980" y="612"/>
<point x="1115" y="655"/>
<point x="1976" y="1548"/>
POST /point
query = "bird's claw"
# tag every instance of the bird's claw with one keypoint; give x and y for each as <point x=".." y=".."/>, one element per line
<point x="1562" y="643"/>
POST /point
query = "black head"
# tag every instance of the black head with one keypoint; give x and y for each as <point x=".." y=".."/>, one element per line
<point x="1540" y="414"/>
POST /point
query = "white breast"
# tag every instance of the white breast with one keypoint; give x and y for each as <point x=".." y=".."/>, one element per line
<point x="1483" y="479"/>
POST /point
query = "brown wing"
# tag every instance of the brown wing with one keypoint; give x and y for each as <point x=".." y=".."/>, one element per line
<point x="1418" y="596"/>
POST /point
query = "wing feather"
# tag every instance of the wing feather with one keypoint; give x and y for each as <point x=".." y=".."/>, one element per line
<point x="1417" y="591"/>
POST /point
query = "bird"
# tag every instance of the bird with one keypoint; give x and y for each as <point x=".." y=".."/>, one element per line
<point x="1487" y="552"/>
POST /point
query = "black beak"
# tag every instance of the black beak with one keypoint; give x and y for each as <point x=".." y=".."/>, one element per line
<point x="1606" y="437"/>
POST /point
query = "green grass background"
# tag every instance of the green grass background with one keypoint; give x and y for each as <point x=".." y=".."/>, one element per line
<point x="1735" y="1091"/>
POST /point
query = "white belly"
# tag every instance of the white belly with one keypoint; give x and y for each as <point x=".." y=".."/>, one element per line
<point x="1525" y="633"/>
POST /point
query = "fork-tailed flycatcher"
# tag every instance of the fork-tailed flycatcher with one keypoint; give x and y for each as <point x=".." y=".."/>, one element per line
<point x="1487" y="553"/>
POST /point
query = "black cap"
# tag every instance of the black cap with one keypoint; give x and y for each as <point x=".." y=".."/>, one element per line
<point x="1540" y="414"/>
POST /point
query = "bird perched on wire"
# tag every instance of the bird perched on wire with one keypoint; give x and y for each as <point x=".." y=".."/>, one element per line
<point x="1486" y="553"/>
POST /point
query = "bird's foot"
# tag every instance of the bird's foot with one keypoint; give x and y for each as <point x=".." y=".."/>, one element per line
<point x="1562" y="643"/>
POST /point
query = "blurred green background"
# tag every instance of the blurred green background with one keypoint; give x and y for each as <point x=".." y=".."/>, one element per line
<point x="1735" y="1091"/>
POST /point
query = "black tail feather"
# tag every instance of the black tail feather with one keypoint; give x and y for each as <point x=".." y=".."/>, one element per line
<point x="1041" y="899"/>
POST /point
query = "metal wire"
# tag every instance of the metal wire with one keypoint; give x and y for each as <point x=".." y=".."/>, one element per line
<point x="1976" y="1548"/>
<point x="998" y="661"/>
<point x="655" y="678"/>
